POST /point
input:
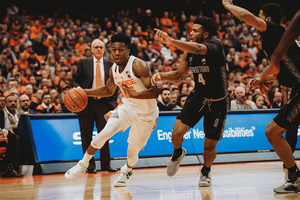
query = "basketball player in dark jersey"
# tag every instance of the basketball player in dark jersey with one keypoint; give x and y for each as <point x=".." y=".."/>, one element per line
<point x="205" y="57"/>
<point x="268" y="24"/>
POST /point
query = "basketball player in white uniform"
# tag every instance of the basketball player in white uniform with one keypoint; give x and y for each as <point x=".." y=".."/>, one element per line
<point x="138" y="108"/>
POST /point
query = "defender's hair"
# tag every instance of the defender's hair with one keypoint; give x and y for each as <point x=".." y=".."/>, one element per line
<point x="208" y="24"/>
<point x="274" y="11"/>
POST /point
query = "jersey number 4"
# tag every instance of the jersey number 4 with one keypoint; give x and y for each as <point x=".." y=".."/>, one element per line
<point x="201" y="79"/>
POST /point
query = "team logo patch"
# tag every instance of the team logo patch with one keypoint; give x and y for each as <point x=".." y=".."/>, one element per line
<point x="128" y="73"/>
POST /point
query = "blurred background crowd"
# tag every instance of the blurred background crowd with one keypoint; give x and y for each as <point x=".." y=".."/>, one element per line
<point x="39" y="51"/>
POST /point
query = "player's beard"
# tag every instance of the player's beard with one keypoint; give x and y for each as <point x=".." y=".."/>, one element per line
<point x="200" y="40"/>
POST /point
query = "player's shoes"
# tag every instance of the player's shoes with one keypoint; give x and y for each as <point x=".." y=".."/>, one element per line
<point x="173" y="165"/>
<point x="292" y="185"/>
<point x="123" y="178"/>
<point x="205" y="179"/>
<point x="75" y="171"/>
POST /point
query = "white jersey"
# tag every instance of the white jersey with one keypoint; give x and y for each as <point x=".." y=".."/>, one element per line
<point x="139" y="106"/>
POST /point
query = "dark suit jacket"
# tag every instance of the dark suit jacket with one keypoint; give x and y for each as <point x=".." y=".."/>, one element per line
<point x="84" y="77"/>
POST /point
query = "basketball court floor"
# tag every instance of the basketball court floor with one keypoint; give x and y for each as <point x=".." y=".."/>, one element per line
<point x="239" y="181"/>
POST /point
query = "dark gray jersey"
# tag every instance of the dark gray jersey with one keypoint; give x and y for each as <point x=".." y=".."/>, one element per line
<point x="209" y="71"/>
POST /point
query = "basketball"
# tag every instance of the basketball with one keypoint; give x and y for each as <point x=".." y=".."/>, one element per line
<point x="76" y="100"/>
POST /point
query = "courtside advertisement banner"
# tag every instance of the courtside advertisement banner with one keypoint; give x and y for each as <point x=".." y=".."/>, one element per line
<point x="59" y="139"/>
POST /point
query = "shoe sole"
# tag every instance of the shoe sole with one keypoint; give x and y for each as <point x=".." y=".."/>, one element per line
<point x="171" y="168"/>
<point x="204" y="184"/>
<point x="72" y="179"/>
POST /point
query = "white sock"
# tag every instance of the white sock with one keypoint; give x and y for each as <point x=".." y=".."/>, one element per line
<point x="125" y="168"/>
<point x="86" y="158"/>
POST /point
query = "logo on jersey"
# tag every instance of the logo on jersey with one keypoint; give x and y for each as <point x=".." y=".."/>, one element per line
<point x="128" y="73"/>
<point x="127" y="82"/>
<point x="190" y="60"/>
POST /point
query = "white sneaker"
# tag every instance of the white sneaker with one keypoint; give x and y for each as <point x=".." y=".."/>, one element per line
<point x="205" y="181"/>
<point x="289" y="186"/>
<point x="75" y="171"/>
<point x="123" y="178"/>
<point x="173" y="166"/>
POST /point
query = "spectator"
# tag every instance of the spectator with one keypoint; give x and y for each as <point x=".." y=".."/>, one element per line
<point x="25" y="104"/>
<point x="10" y="84"/>
<point x="5" y="63"/>
<point x="183" y="88"/>
<point x="28" y="91"/>
<point x="38" y="100"/>
<point x="252" y="70"/>
<point x="81" y="45"/>
<point x="165" y="22"/>
<point x="33" y="62"/>
<point x="164" y="104"/>
<point x="2" y="102"/>
<point x="11" y="141"/>
<point x="46" y="106"/>
<point x="173" y="99"/>
<point x="181" y="100"/>
<point x="240" y="101"/>
<point x="259" y="101"/>
<point x="148" y="21"/>
<point x="22" y="62"/>
<point x="13" y="113"/>
<point x="277" y="102"/>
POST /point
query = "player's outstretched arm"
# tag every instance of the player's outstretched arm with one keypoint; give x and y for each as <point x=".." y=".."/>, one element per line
<point x="172" y="75"/>
<point x="191" y="47"/>
<point x="245" y="16"/>
<point x="103" y="91"/>
<point x="288" y="38"/>
<point x="286" y="41"/>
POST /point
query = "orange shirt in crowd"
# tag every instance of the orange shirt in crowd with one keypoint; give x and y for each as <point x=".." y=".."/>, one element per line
<point x="14" y="42"/>
<point x="81" y="47"/>
<point x="22" y="65"/>
<point x="249" y="72"/>
<point x="243" y="54"/>
<point x="57" y="29"/>
<point x="167" y="21"/>
<point x="35" y="30"/>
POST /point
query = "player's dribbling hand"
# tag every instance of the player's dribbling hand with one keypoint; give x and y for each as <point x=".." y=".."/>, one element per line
<point x="155" y="78"/>
<point x="162" y="36"/>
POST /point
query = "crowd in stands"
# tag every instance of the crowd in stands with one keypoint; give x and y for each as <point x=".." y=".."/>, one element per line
<point x="39" y="55"/>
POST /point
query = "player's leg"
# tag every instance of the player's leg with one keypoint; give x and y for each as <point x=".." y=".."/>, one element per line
<point x="139" y="134"/>
<point x="288" y="116"/>
<point x="113" y="125"/>
<point x="214" y="123"/>
<point x="291" y="136"/>
<point x="189" y="116"/>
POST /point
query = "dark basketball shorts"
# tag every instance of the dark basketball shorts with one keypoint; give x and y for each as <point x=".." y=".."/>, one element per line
<point x="289" y="114"/>
<point x="215" y="114"/>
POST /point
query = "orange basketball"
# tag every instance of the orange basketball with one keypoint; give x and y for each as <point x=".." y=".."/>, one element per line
<point x="75" y="99"/>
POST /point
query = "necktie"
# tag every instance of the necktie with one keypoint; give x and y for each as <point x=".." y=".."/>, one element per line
<point x="98" y="75"/>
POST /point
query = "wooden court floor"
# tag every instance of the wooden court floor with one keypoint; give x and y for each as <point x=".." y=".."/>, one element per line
<point x="240" y="181"/>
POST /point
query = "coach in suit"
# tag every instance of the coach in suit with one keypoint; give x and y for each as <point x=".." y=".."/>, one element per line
<point x="93" y="72"/>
